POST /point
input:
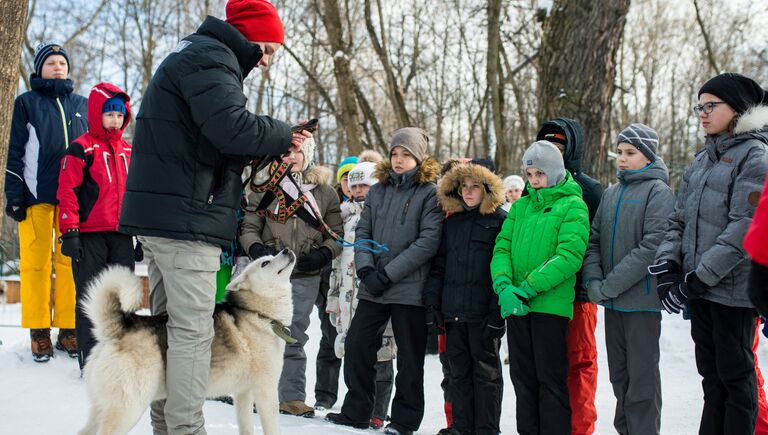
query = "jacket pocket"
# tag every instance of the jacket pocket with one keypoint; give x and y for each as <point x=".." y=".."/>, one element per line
<point x="196" y="262"/>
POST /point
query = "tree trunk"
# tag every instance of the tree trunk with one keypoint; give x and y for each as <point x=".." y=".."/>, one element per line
<point x="577" y="68"/>
<point x="13" y="18"/>
<point x="496" y="89"/>
<point x="347" y="117"/>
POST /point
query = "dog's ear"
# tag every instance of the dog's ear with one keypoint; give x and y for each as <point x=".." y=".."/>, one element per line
<point x="239" y="280"/>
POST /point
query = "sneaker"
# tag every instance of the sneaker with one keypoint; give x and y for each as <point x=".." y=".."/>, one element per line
<point x="393" y="429"/>
<point x="67" y="342"/>
<point x="297" y="408"/>
<point x="343" y="420"/>
<point x="376" y="423"/>
<point x="42" y="348"/>
<point x="323" y="405"/>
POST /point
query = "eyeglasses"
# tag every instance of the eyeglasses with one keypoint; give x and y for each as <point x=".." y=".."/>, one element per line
<point x="706" y="108"/>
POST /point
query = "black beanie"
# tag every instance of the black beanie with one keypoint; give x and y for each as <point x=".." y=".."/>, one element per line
<point x="46" y="49"/>
<point x="740" y="92"/>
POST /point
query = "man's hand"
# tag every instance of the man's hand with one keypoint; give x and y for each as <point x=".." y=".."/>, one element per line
<point x="298" y="138"/>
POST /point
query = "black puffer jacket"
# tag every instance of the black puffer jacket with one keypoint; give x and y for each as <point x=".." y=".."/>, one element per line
<point x="193" y="138"/>
<point x="460" y="278"/>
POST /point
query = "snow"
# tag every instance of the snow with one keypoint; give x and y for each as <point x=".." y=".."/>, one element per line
<point x="51" y="398"/>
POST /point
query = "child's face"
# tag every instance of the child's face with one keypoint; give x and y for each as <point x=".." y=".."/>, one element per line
<point x="513" y="195"/>
<point x="345" y="186"/>
<point x="402" y="160"/>
<point x="630" y="158"/>
<point x="536" y="177"/>
<point x="112" y="120"/>
<point x="472" y="192"/>
<point x="297" y="159"/>
<point x="718" y="120"/>
<point x="359" y="191"/>
<point x="54" y="67"/>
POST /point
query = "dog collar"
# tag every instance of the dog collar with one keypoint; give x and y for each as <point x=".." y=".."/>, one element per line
<point x="282" y="331"/>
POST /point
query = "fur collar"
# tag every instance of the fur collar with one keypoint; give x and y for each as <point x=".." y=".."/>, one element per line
<point x="428" y="172"/>
<point x="756" y="118"/>
<point x="318" y="175"/>
<point x="448" y="189"/>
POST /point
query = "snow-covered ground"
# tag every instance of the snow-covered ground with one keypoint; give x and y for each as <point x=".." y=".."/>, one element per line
<point x="51" y="398"/>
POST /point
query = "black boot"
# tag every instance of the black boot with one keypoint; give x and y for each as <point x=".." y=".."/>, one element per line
<point x="343" y="420"/>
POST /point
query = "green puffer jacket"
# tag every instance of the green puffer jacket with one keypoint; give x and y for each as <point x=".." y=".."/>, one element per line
<point x="543" y="241"/>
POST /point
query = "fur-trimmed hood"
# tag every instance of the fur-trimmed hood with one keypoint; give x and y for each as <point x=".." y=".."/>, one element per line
<point x="428" y="171"/>
<point x="448" y="190"/>
<point x="756" y="118"/>
<point x="318" y="175"/>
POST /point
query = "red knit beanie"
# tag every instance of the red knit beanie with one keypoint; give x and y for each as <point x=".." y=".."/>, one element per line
<point x="257" y="20"/>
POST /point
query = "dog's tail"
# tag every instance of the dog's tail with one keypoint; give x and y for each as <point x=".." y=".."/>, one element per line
<point x="112" y="294"/>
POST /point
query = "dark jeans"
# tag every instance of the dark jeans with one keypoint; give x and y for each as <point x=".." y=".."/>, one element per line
<point x="538" y="366"/>
<point x="363" y="342"/>
<point x="100" y="249"/>
<point x="723" y="336"/>
<point x="476" y="380"/>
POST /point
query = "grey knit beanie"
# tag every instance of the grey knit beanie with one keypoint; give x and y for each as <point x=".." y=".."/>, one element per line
<point x="546" y="157"/>
<point x="415" y="140"/>
<point x="644" y="138"/>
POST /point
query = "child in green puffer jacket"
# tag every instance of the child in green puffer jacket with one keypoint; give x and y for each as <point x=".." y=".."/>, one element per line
<point x="535" y="259"/>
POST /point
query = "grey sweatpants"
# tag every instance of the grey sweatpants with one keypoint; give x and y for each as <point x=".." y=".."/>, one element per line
<point x="293" y="380"/>
<point x="632" y="345"/>
<point x="182" y="280"/>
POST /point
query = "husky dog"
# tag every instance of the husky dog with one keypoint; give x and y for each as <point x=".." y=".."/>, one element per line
<point x="126" y="370"/>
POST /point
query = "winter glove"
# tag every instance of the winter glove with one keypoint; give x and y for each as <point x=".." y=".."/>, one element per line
<point x="679" y="293"/>
<point x="757" y="287"/>
<point x="314" y="259"/>
<point x="668" y="278"/>
<point x="16" y="212"/>
<point x="511" y="304"/>
<point x="70" y="244"/>
<point x="595" y="291"/>
<point x="494" y="326"/>
<point x="435" y="322"/>
<point x="375" y="281"/>
<point x="500" y="283"/>
<point x="524" y="291"/>
<point x="258" y="250"/>
<point x="138" y="252"/>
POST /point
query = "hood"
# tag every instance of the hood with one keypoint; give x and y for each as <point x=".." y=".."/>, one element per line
<point x="753" y="120"/>
<point x="247" y="53"/>
<point x="318" y="175"/>
<point x="656" y="170"/>
<point x="99" y="95"/>
<point x="51" y="87"/>
<point x="448" y="189"/>
<point x="427" y="172"/>
<point x="752" y="125"/>
<point x="575" y="137"/>
<point x="548" y="195"/>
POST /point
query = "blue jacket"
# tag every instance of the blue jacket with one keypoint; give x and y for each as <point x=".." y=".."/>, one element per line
<point x="45" y="121"/>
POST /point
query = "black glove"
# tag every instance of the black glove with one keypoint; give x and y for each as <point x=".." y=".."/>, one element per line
<point x="258" y="250"/>
<point x="314" y="259"/>
<point x="581" y="293"/>
<point x="667" y="276"/>
<point x="434" y="320"/>
<point x="375" y="281"/>
<point x="16" y="212"/>
<point x="138" y="252"/>
<point x="757" y="287"/>
<point x="681" y="292"/>
<point x="70" y="245"/>
<point x="494" y="326"/>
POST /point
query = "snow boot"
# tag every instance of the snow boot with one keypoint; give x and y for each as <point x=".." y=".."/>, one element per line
<point x="343" y="420"/>
<point x="394" y="429"/>
<point x="42" y="348"/>
<point x="67" y="342"/>
<point x="297" y="408"/>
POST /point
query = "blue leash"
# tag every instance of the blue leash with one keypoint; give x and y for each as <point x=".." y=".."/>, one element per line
<point x="376" y="247"/>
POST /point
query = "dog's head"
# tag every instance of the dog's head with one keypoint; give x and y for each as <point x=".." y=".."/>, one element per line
<point x="265" y="272"/>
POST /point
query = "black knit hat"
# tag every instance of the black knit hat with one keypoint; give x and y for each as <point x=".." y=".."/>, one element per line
<point x="46" y="49"/>
<point x="738" y="91"/>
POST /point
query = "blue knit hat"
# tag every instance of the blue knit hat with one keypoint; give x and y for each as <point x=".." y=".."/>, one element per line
<point x="345" y="166"/>
<point x="114" y="104"/>
<point x="46" y="49"/>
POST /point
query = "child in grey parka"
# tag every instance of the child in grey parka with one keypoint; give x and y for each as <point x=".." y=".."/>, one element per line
<point x="628" y="228"/>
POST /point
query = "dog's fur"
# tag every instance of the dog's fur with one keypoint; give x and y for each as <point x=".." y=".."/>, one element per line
<point x="126" y="370"/>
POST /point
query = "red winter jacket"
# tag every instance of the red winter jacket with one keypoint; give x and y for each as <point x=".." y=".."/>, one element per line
<point x="756" y="240"/>
<point x="94" y="169"/>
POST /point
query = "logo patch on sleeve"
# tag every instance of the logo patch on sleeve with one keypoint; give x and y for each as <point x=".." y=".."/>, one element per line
<point x="754" y="198"/>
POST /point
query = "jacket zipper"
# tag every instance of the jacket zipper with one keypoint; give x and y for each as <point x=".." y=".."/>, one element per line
<point x="615" y="220"/>
<point x="106" y="164"/>
<point x="547" y="263"/>
<point x="63" y="123"/>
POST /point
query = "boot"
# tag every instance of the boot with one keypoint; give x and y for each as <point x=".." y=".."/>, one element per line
<point x="42" y="349"/>
<point x="343" y="420"/>
<point x="297" y="408"/>
<point x="394" y="429"/>
<point x="67" y="342"/>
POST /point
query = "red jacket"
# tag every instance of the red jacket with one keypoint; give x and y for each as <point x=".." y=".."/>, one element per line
<point x="756" y="240"/>
<point x="94" y="169"/>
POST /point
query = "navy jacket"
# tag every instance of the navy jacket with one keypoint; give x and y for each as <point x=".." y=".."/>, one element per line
<point x="45" y="121"/>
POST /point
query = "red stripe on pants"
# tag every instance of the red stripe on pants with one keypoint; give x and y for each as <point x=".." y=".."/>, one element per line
<point x="761" y="428"/>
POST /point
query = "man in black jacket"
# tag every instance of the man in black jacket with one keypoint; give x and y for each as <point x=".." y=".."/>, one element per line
<point x="193" y="138"/>
<point x="568" y="136"/>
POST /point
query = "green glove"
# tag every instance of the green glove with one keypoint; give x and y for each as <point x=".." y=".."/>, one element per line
<point x="511" y="304"/>
<point x="500" y="283"/>
<point x="524" y="291"/>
